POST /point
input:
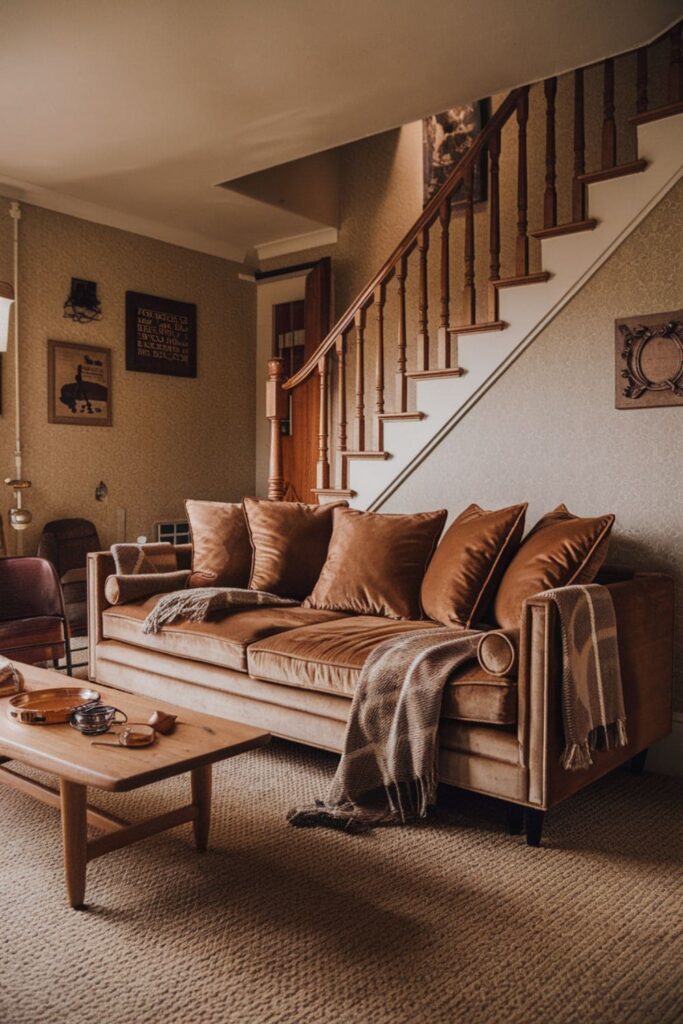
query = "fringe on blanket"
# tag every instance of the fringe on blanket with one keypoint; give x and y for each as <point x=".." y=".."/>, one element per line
<point x="407" y="801"/>
<point x="578" y="755"/>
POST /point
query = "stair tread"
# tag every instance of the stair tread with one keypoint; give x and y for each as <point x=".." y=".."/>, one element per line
<point x="334" y="492"/>
<point x="492" y="325"/>
<point x="365" y="455"/>
<point x="514" y="282"/>
<point x="668" y="110"/>
<point x="401" y="416"/>
<point x="569" y="228"/>
<point x="620" y="171"/>
<point x="427" y="374"/>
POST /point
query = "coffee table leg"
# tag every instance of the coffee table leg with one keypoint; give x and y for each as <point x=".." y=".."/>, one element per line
<point x="201" y="798"/>
<point x="75" y="836"/>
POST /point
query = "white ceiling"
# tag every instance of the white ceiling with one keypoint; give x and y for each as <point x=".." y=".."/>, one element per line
<point x="131" y="112"/>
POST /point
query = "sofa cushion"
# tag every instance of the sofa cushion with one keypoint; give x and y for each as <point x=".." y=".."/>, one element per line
<point x="467" y="565"/>
<point x="328" y="657"/>
<point x="376" y="563"/>
<point x="221" y="548"/>
<point x="290" y="541"/>
<point x="560" y="550"/>
<point x="222" y="641"/>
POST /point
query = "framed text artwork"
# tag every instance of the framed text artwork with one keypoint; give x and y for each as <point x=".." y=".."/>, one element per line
<point x="161" y="335"/>
<point x="446" y="137"/>
<point x="79" y="384"/>
<point x="649" y="360"/>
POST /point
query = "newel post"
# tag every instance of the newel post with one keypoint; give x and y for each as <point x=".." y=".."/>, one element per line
<point x="276" y="412"/>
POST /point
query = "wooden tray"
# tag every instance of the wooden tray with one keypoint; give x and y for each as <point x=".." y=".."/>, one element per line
<point x="46" y="707"/>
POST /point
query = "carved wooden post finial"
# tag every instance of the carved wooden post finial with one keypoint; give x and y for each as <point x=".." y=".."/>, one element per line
<point x="276" y="412"/>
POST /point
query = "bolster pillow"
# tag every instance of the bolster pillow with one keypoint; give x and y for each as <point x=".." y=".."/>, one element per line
<point x="497" y="651"/>
<point x="132" y="587"/>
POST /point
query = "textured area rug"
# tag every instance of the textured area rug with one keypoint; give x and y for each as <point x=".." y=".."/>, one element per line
<point x="451" y="921"/>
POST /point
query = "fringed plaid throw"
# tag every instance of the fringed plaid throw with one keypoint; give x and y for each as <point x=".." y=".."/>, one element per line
<point x="387" y="771"/>
<point x="593" y="713"/>
<point x="198" y="604"/>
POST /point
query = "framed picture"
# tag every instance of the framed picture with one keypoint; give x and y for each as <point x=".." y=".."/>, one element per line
<point x="161" y="335"/>
<point x="648" y="354"/>
<point x="446" y="137"/>
<point x="79" y="384"/>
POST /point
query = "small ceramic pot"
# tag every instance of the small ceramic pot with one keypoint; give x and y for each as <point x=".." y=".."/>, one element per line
<point x="93" y="719"/>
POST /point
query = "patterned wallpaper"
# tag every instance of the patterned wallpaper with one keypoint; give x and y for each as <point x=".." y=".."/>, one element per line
<point x="172" y="437"/>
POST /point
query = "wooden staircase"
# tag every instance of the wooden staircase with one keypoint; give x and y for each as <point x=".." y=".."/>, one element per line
<point x="459" y="320"/>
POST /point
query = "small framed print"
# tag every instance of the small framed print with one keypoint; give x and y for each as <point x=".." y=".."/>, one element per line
<point x="79" y="384"/>
<point x="161" y="335"/>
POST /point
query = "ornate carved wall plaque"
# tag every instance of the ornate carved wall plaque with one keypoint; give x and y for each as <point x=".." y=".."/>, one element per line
<point x="649" y="360"/>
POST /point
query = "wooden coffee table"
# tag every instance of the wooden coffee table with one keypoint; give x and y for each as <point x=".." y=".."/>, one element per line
<point x="198" y="741"/>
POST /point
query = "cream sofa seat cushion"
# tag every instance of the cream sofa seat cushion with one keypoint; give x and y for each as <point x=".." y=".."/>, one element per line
<point x="329" y="656"/>
<point x="221" y="641"/>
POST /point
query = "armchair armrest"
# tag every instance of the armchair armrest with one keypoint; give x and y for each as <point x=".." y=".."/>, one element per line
<point x="644" y="607"/>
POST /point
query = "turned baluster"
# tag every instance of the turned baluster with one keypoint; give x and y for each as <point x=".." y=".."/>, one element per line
<point x="494" y="226"/>
<point x="423" y="308"/>
<point x="641" y="84"/>
<point x="401" y="380"/>
<point x="359" y="321"/>
<point x="340" y="349"/>
<point x="550" y="196"/>
<point x="522" y="248"/>
<point x="675" y="92"/>
<point x="443" y="337"/>
<point x="380" y="296"/>
<point x="578" y="188"/>
<point x="276" y="412"/>
<point x="323" y="468"/>
<point x="469" y="294"/>
<point x="609" y="128"/>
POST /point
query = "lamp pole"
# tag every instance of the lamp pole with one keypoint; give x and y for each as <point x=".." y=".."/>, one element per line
<point x="19" y="516"/>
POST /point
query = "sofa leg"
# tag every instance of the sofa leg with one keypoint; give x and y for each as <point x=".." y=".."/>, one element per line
<point x="515" y="816"/>
<point x="534" y="826"/>
<point x="637" y="763"/>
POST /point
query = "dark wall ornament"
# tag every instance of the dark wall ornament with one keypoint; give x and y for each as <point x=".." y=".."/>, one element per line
<point x="649" y="360"/>
<point x="82" y="305"/>
<point x="446" y="137"/>
<point x="161" y="335"/>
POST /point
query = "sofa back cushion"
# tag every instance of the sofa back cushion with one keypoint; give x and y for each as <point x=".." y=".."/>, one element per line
<point x="290" y="541"/>
<point x="221" y="549"/>
<point x="376" y="563"/>
<point x="560" y="550"/>
<point x="469" y="562"/>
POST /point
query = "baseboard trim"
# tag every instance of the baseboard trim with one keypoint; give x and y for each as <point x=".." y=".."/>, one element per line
<point x="666" y="756"/>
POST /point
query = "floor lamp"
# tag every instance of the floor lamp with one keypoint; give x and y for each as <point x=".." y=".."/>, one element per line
<point x="19" y="516"/>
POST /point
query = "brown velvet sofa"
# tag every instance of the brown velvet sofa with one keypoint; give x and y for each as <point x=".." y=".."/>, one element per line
<point x="292" y="670"/>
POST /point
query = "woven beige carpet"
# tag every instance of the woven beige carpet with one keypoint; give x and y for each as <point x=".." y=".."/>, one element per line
<point x="454" y="921"/>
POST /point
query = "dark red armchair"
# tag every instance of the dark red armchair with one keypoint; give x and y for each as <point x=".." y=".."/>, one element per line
<point x="33" y="623"/>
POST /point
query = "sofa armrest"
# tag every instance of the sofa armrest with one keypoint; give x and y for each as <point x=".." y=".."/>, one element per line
<point x="100" y="564"/>
<point x="644" y="608"/>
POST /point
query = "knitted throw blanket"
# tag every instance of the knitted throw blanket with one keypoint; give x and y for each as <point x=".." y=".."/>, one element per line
<point x="387" y="771"/>
<point x="593" y="713"/>
<point x="196" y="605"/>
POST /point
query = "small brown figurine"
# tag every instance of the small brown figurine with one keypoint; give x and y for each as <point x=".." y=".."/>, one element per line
<point x="162" y="722"/>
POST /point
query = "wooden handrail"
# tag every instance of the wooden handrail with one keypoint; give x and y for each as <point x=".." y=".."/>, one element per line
<point x="409" y="242"/>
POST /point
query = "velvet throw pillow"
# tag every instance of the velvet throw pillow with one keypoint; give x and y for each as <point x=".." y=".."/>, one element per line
<point x="468" y="563"/>
<point x="560" y="550"/>
<point x="290" y="541"/>
<point x="221" y="549"/>
<point x="376" y="563"/>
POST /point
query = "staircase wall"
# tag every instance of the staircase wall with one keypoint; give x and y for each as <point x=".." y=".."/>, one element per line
<point x="548" y="431"/>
